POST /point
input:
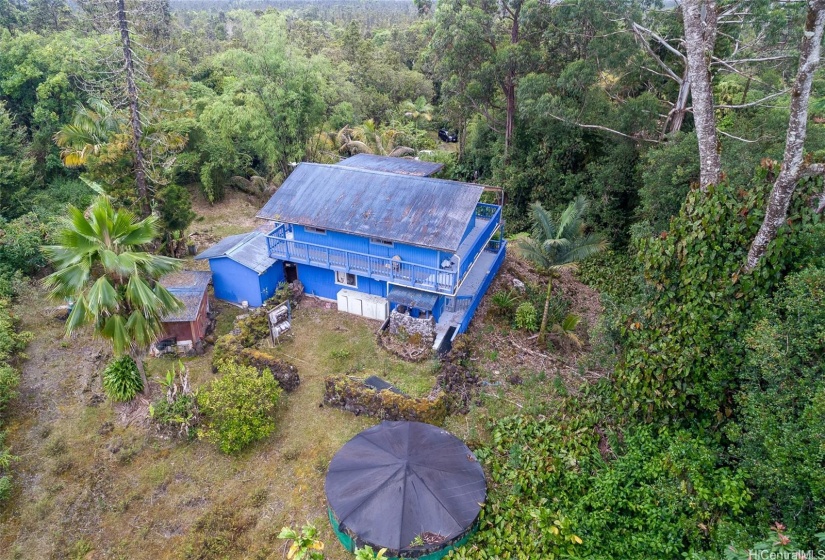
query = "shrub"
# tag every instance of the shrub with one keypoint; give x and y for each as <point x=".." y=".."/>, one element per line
<point x="526" y="317"/>
<point x="121" y="379"/>
<point x="12" y="344"/>
<point x="781" y="420"/>
<point x="552" y="494"/>
<point x="504" y="302"/>
<point x="237" y="407"/>
<point x="179" y="415"/>
<point x="178" y="409"/>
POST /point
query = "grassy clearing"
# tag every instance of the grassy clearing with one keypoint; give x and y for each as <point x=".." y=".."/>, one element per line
<point x="92" y="482"/>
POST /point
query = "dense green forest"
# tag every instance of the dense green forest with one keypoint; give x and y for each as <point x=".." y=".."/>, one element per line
<point x="695" y="131"/>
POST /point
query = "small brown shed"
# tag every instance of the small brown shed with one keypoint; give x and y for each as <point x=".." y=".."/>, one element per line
<point x="191" y="322"/>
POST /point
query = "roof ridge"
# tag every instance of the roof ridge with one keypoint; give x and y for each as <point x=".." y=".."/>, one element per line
<point x="390" y="173"/>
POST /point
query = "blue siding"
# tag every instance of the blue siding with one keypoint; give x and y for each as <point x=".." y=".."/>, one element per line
<point x="439" y="307"/>
<point x="348" y="242"/>
<point x="269" y="280"/>
<point x="321" y="282"/>
<point x="236" y="283"/>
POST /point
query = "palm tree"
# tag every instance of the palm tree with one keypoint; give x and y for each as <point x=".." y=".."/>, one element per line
<point x="554" y="245"/>
<point x="112" y="283"/>
<point x="91" y="128"/>
<point x="418" y="109"/>
<point x="371" y="138"/>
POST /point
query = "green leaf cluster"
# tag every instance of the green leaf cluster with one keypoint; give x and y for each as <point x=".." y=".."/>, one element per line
<point x="779" y="435"/>
<point x="237" y="407"/>
<point x="527" y="317"/>
<point x="12" y="344"/>
<point x="121" y="379"/>
<point x="683" y="350"/>
<point x="553" y="494"/>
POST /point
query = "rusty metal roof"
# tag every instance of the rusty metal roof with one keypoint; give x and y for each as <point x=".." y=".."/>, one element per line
<point x="247" y="249"/>
<point x="421" y="211"/>
<point x="188" y="286"/>
<point x="400" y="165"/>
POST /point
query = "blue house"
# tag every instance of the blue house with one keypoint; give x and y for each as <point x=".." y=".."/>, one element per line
<point x="243" y="270"/>
<point x="374" y="240"/>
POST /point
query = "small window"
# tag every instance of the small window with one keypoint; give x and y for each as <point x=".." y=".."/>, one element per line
<point x="384" y="242"/>
<point x="316" y="230"/>
<point x="346" y="279"/>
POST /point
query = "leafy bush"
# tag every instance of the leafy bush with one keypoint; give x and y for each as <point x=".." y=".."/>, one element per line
<point x="781" y="429"/>
<point x="178" y="409"/>
<point x="180" y="415"/>
<point x="504" y="303"/>
<point x="683" y="351"/>
<point x="12" y="344"/>
<point x="527" y="317"/>
<point x="20" y="242"/>
<point x="612" y="273"/>
<point x="121" y="379"/>
<point x="237" y="407"/>
<point x="305" y="545"/>
<point x="553" y="495"/>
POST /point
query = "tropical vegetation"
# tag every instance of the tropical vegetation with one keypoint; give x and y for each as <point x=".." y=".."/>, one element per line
<point x="688" y="135"/>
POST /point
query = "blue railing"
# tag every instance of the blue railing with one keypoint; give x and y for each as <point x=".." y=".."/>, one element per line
<point x="468" y="256"/>
<point x="380" y="268"/>
<point x="487" y="211"/>
<point x="282" y="246"/>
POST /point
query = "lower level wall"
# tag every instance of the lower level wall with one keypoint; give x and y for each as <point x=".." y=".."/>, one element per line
<point x="320" y="282"/>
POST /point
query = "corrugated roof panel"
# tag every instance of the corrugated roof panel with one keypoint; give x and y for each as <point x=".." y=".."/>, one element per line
<point x="399" y="165"/>
<point x="247" y="249"/>
<point x="419" y="211"/>
<point x="412" y="298"/>
<point x="189" y="287"/>
<point x="253" y="253"/>
<point x="220" y="248"/>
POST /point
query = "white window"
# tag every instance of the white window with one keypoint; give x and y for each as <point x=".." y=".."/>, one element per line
<point x="377" y="241"/>
<point x="316" y="230"/>
<point x="346" y="279"/>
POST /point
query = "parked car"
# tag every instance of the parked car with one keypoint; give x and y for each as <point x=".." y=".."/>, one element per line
<point x="447" y="136"/>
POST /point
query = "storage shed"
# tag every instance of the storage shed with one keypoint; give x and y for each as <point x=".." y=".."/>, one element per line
<point x="191" y="322"/>
<point x="242" y="270"/>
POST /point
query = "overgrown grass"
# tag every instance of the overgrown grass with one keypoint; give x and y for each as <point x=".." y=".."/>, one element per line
<point x="92" y="477"/>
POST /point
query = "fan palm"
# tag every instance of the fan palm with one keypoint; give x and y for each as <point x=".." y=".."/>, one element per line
<point x="101" y="267"/>
<point x="554" y="245"/>
<point x="91" y="128"/>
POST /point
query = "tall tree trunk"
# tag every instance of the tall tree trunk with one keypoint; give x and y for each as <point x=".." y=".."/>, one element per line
<point x="543" y="327"/>
<point x="134" y="109"/>
<point x="510" y="83"/>
<point x="700" y="38"/>
<point x="792" y="163"/>
<point x="510" y="94"/>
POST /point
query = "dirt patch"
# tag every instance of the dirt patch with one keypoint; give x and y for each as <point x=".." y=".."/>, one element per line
<point x="233" y="215"/>
<point x="508" y="353"/>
